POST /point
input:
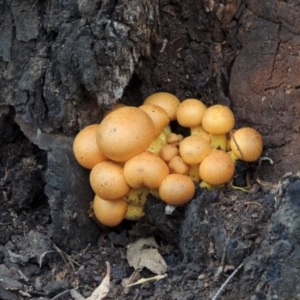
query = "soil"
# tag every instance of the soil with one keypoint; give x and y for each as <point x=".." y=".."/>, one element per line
<point x="245" y="57"/>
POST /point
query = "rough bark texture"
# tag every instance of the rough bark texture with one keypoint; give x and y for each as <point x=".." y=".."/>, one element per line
<point x="62" y="63"/>
<point x="264" y="82"/>
<point x="57" y="55"/>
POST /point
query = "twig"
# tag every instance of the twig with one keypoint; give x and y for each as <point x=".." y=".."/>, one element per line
<point x="222" y="264"/>
<point x="60" y="294"/>
<point x="42" y="256"/>
<point x="227" y="280"/>
<point x="5" y="224"/>
<point x="239" y="188"/>
<point x="248" y="203"/>
<point x="64" y="255"/>
<point x="144" y="280"/>
<point x="165" y="41"/>
<point x="134" y="276"/>
<point x="236" y="144"/>
<point x="266" y="158"/>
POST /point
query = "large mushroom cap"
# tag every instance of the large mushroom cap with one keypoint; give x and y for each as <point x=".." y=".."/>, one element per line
<point x="124" y="133"/>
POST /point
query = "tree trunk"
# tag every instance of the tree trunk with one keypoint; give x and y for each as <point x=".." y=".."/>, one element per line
<point x="63" y="63"/>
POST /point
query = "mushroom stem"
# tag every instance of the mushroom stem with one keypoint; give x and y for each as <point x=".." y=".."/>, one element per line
<point x="218" y="141"/>
<point x="209" y="187"/>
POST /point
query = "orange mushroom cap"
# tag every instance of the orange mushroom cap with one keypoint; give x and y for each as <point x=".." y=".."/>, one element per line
<point x="193" y="149"/>
<point x="178" y="166"/>
<point x="108" y="182"/>
<point x="176" y="189"/>
<point x="218" y="119"/>
<point x="216" y="168"/>
<point x="124" y="133"/>
<point x="85" y="147"/>
<point x="145" y="169"/>
<point x="168" y="151"/>
<point x="167" y="101"/>
<point x="247" y="144"/>
<point x="158" y="116"/>
<point x="109" y="213"/>
<point x="115" y="106"/>
<point x="190" y="112"/>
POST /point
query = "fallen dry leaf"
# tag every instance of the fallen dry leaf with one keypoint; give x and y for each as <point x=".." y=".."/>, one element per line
<point x="143" y="253"/>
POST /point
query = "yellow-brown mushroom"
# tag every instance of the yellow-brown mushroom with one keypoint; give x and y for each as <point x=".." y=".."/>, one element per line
<point x="216" y="168"/>
<point x="247" y="144"/>
<point x="145" y="169"/>
<point x="124" y="133"/>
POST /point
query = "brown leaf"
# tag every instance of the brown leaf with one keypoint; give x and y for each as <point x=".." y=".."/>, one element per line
<point x="143" y="253"/>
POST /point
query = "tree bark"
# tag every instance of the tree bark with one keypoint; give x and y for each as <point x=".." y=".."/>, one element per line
<point x="62" y="63"/>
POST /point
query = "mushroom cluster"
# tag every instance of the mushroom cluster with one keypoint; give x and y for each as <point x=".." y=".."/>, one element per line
<point x="133" y="152"/>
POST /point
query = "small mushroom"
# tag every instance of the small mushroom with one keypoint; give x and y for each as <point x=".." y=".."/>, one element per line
<point x="178" y="166"/>
<point x="108" y="182"/>
<point x="173" y="138"/>
<point x="145" y="169"/>
<point x="218" y="119"/>
<point x="168" y="151"/>
<point x="177" y="189"/>
<point x="247" y="144"/>
<point x="158" y="116"/>
<point x="190" y="112"/>
<point x="216" y="168"/>
<point x="167" y="101"/>
<point x="109" y="213"/>
<point x="193" y="149"/>
<point x="85" y="147"/>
